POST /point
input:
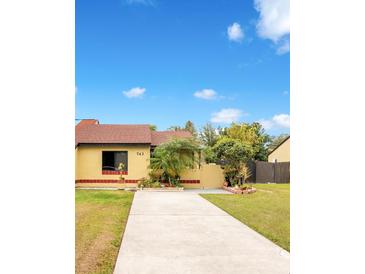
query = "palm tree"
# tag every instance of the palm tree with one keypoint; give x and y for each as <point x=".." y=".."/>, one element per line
<point x="173" y="157"/>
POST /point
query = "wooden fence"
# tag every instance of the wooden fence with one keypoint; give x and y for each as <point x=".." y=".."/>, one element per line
<point x="272" y="172"/>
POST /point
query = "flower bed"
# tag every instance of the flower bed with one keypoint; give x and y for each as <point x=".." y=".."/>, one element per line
<point x="235" y="190"/>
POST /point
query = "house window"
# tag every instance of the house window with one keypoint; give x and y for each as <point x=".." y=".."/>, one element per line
<point x="112" y="159"/>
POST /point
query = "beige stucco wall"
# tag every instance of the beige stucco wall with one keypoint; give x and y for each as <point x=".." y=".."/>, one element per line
<point x="210" y="176"/>
<point x="282" y="153"/>
<point x="89" y="161"/>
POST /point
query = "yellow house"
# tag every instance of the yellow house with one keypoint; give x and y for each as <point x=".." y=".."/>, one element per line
<point x="281" y="153"/>
<point x="100" y="148"/>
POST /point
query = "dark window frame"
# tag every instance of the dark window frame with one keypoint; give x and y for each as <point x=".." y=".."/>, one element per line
<point x="108" y="162"/>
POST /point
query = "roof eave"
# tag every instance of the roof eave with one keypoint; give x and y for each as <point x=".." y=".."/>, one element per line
<point x="282" y="142"/>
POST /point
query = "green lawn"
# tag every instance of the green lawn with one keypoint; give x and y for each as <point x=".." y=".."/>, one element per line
<point x="101" y="217"/>
<point x="267" y="211"/>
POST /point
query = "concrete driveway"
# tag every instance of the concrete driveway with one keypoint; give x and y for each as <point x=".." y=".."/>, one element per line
<point x="181" y="232"/>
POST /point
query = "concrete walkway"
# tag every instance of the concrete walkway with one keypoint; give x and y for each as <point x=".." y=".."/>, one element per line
<point x="181" y="232"/>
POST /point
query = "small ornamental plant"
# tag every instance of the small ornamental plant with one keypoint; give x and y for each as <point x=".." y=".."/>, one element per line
<point x="243" y="174"/>
<point x="148" y="183"/>
<point x="121" y="168"/>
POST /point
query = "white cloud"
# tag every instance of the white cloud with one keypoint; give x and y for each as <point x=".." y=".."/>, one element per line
<point x="277" y="121"/>
<point x="141" y="2"/>
<point x="226" y="115"/>
<point x="136" y="92"/>
<point x="206" y="94"/>
<point x="266" y="124"/>
<point x="274" y="22"/>
<point x="235" y="33"/>
<point x="282" y="120"/>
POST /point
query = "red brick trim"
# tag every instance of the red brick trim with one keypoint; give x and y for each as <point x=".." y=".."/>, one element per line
<point x="114" y="172"/>
<point x="190" y="181"/>
<point x="105" y="181"/>
<point x="185" y="182"/>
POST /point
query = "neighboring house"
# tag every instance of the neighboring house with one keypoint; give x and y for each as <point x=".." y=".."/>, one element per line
<point x="100" y="148"/>
<point x="281" y="153"/>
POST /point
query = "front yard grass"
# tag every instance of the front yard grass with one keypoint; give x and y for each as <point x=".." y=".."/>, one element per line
<point x="267" y="211"/>
<point x="101" y="217"/>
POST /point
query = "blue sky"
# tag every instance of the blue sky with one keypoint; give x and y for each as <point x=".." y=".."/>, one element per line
<point x="164" y="62"/>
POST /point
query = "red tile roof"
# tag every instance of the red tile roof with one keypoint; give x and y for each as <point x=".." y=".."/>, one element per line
<point x="91" y="132"/>
<point x="159" y="137"/>
<point x="88" y="122"/>
<point x="113" y="134"/>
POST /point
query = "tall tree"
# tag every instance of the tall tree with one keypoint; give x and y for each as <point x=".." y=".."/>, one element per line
<point x="252" y="135"/>
<point x="275" y="141"/>
<point x="208" y="135"/>
<point x="233" y="155"/>
<point x="189" y="126"/>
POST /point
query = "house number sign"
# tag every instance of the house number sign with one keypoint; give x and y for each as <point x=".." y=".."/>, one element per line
<point x="140" y="153"/>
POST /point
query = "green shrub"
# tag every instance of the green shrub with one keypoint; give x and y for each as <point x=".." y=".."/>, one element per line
<point x="149" y="183"/>
<point x="155" y="174"/>
<point x="156" y="185"/>
<point x="175" y="182"/>
<point x="144" y="182"/>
